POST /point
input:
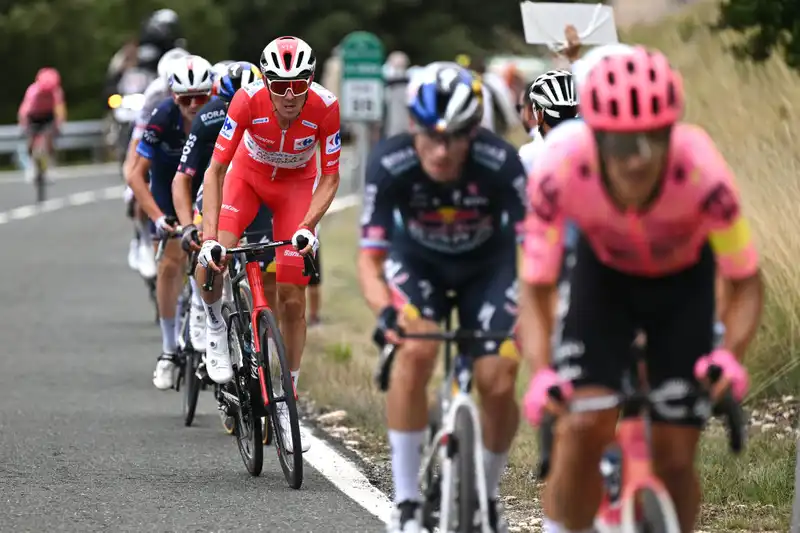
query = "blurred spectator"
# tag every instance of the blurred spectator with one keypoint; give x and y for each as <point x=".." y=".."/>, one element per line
<point x="395" y="74"/>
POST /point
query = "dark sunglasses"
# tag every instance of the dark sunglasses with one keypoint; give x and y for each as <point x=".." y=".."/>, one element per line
<point x="187" y="99"/>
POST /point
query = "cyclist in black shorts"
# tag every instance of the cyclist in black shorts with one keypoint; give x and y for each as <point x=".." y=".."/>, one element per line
<point x="441" y="210"/>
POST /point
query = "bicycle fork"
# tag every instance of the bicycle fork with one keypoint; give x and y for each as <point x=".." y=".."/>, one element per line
<point x="444" y="448"/>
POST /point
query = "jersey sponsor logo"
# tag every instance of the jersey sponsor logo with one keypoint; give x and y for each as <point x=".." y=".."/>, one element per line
<point x="488" y="155"/>
<point x="303" y="142"/>
<point x="333" y="143"/>
<point x="228" y="128"/>
<point x="218" y="146"/>
<point x="187" y="147"/>
<point x="213" y="116"/>
<point x="277" y="159"/>
<point x="721" y="204"/>
<point x="253" y="88"/>
<point x="261" y="120"/>
<point x="151" y="136"/>
<point x="308" y="124"/>
<point x="327" y="97"/>
<point x="545" y="200"/>
<point x="400" y="161"/>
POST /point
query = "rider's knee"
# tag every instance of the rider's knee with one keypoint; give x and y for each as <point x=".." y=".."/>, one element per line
<point x="582" y="437"/>
<point x="292" y="301"/>
<point x="495" y="378"/>
<point x="674" y="450"/>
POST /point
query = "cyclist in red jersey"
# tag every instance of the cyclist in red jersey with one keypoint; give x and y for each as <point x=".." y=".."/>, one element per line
<point x="270" y="139"/>
<point x="43" y="109"/>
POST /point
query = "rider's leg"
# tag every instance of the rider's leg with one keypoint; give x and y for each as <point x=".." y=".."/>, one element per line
<point x="242" y="205"/>
<point x="592" y="347"/>
<point x="680" y="332"/>
<point x="407" y="400"/>
<point x="493" y="288"/>
<point x="170" y="268"/>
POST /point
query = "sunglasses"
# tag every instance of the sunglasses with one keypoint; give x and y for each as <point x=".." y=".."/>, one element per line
<point x="187" y="99"/>
<point x="626" y="145"/>
<point x="281" y="87"/>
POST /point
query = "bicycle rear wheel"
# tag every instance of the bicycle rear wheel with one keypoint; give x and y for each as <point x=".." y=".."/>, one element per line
<point x="274" y="365"/>
<point x="464" y="433"/>
<point x="247" y="426"/>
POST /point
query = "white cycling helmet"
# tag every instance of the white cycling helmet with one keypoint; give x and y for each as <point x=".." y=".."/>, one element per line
<point x="164" y="67"/>
<point x="191" y="75"/>
<point x="554" y="94"/>
<point x="288" y="58"/>
<point x="220" y="68"/>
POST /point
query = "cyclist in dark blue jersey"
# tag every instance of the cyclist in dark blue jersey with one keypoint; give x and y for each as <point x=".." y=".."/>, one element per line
<point x="160" y="151"/>
<point x="187" y="192"/>
<point x="441" y="210"/>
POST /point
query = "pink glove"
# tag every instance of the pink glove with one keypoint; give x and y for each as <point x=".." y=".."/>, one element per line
<point x="536" y="398"/>
<point x="731" y="369"/>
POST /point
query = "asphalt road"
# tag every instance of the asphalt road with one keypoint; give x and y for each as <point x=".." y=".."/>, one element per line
<point x="86" y="442"/>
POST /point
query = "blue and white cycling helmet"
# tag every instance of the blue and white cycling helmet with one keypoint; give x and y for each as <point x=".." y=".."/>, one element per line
<point x="446" y="98"/>
<point x="236" y="76"/>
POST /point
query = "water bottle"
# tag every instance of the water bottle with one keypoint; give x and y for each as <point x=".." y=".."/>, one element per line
<point x="611" y="470"/>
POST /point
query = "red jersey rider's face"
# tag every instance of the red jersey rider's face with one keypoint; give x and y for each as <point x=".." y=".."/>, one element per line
<point x="634" y="164"/>
<point x="442" y="155"/>
<point x="288" y="97"/>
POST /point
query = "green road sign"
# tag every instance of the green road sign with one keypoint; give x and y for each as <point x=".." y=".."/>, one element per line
<point x="362" y="77"/>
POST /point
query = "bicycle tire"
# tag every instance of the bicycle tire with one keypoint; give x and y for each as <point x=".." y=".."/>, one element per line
<point x="40" y="178"/>
<point x="653" y="516"/>
<point x="191" y="386"/>
<point x="464" y="433"/>
<point x="247" y="428"/>
<point x="431" y="483"/>
<point x="291" y="463"/>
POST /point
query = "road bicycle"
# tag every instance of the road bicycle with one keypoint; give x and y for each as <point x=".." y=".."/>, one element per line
<point x="252" y="394"/>
<point x="452" y="477"/>
<point x="635" y="500"/>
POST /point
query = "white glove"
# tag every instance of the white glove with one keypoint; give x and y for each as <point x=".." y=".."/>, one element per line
<point x="310" y="237"/>
<point x="162" y="228"/>
<point x="204" y="257"/>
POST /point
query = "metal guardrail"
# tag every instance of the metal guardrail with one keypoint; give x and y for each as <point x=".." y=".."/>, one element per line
<point x="75" y="135"/>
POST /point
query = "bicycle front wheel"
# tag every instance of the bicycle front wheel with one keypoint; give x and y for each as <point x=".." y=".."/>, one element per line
<point x="191" y="385"/>
<point x="282" y="406"/>
<point x="247" y="426"/>
<point x="464" y="433"/>
<point x="655" y="514"/>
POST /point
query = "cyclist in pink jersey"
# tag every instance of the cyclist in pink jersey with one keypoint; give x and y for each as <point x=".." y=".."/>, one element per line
<point x="43" y="109"/>
<point x="655" y="204"/>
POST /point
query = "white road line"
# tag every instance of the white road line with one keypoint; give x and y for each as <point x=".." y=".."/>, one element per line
<point x="335" y="467"/>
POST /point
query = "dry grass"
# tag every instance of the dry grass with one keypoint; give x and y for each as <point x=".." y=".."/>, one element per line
<point x="752" y="114"/>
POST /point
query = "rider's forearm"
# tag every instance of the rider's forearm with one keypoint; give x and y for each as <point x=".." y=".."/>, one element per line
<point x="373" y="284"/>
<point x="142" y="192"/>
<point x="212" y="199"/>
<point x="130" y="160"/>
<point x="321" y="200"/>
<point x="60" y="113"/>
<point x="536" y="322"/>
<point x="743" y="314"/>
<point x="182" y="197"/>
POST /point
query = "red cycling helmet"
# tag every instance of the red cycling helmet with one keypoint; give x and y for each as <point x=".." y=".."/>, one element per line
<point x="632" y="92"/>
<point x="48" y="78"/>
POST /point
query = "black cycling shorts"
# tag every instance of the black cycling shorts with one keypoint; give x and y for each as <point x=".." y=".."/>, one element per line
<point x="484" y="293"/>
<point x="318" y="266"/>
<point x="601" y="311"/>
<point x="39" y="123"/>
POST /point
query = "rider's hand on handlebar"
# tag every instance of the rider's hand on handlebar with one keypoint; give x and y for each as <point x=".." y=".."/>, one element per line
<point x="190" y="240"/>
<point x="537" y="400"/>
<point x="309" y="237"/>
<point x="163" y="227"/>
<point x="387" y="327"/>
<point x="734" y="375"/>
<point x="205" y="257"/>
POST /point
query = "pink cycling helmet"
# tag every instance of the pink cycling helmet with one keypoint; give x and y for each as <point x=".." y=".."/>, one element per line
<point x="632" y="92"/>
<point x="48" y="78"/>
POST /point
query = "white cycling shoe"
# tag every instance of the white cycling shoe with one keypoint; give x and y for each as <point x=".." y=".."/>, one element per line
<point x="286" y="431"/>
<point x="133" y="254"/>
<point x="197" y="328"/>
<point x="164" y="375"/>
<point x="406" y="518"/>
<point x="218" y="359"/>
<point x="147" y="259"/>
